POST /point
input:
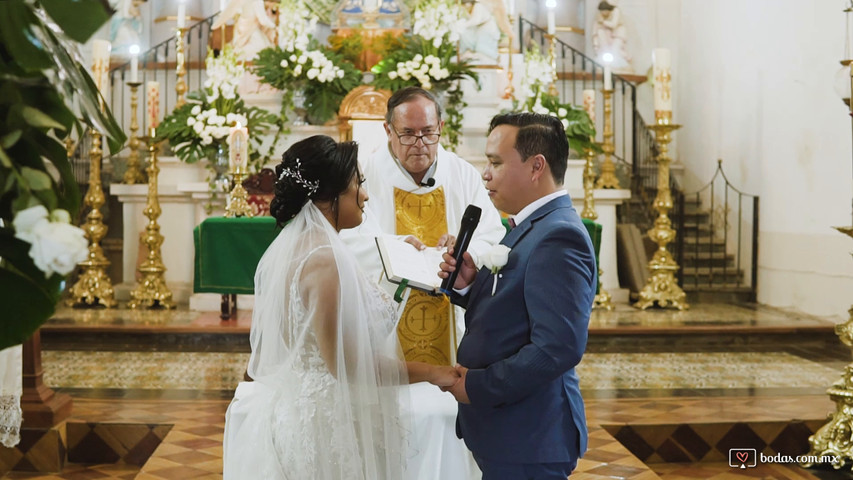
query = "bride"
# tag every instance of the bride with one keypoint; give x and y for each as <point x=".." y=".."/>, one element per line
<point x="325" y="356"/>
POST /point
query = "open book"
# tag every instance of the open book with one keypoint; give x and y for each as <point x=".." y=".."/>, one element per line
<point x="402" y="261"/>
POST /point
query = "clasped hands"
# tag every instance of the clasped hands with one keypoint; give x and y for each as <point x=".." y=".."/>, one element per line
<point x="451" y="379"/>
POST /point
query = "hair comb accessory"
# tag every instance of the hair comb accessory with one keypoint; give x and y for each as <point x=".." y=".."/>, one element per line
<point x="296" y="175"/>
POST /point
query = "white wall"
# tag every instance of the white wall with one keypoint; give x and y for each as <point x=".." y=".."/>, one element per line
<point x="754" y="87"/>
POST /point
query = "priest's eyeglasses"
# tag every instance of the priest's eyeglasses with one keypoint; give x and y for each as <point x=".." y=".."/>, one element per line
<point x="408" y="139"/>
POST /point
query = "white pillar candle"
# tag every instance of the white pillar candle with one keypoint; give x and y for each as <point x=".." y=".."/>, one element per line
<point x="662" y="79"/>
<point x="238" y="141"/>
<point x="101" y="65"/>
<point x="589" y="103"/>
<point x="221" y="5"/>
<point x="152" y="90"/>
<point x="182" y="14"/>
<point x="608" y="77"/>
<point x="134" y="63"/>
<point x="552" y="23"/>
<point x="511" y="7"/>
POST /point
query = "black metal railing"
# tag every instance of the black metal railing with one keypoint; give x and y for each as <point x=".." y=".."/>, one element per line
<point x="719" y="244"/>
<point x="577" y="72"/>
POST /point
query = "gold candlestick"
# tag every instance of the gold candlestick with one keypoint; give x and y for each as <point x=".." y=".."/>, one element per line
<point x="238" y="200"/>
<point x="552" y="58"/>
<point x="180" y="69"/>
<point x="152" y="291"/>
<point x="608" y="169"/>
<point x="661" y="287"/>
<point x="602" y="300"/>
<point x="509" y="91"/>
<point x="834" y="438"/>
<point x="133" y="175"/>
<point x="94" y="286"/>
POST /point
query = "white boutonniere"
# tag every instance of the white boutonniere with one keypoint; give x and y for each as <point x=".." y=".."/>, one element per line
<point x="494" y="260"/>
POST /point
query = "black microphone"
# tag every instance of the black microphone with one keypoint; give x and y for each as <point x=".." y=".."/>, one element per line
<point x="430" y="182"/>
<point x="466" y="230"/>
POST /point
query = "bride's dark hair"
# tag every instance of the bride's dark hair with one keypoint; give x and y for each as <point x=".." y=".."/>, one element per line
<point x="317" y="168"/>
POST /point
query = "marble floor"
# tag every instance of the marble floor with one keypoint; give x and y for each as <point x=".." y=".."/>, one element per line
<point x="667" y="392"/>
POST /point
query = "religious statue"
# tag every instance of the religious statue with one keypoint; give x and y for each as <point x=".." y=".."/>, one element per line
<point x="609" y="35"/>
<point x="487" y="20"/>
<point x="125" y="26"/>
<point x="254" y="30"/>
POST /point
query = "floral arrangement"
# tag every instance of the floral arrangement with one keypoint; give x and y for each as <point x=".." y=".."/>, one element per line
<point x="495" y="259"/>
<point x="427" y="58"/>
<point x="45" y="91"/>
<point x="299" y="64"/>
<point x="538" y="75"/>
<point x="199" y="128"/>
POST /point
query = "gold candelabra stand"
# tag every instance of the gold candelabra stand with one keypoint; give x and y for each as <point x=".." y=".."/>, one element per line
<point x="94" y="286"/>
<point x="238" y="200"/>
<point x="152" y="292"/>
<point x="509" y="91"/>
<point x="552" y="58"/>
<point x="602" y="300"/>
<point x="662" y="287"/>
<point x="608" y="169"/>
<point x="180" y="68"/>
<point x="836" y="437"/>
<point x="133" y="175"/>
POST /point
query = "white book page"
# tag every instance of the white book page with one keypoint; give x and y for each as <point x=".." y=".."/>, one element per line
<point x="403" y="260"/>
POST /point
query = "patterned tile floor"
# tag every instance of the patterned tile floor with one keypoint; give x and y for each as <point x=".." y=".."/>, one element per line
<point x="713" y="363"/>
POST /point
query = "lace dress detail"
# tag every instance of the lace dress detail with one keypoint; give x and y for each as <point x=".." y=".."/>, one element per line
<point x="311" y="407"/>
<point x="10" y="420"/>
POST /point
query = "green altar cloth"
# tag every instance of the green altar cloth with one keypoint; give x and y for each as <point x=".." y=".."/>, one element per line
<point x="227" y="251"/>
<point x="594" y="230"/>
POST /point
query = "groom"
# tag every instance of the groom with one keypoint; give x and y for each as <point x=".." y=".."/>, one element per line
<point x="520" y="408"/>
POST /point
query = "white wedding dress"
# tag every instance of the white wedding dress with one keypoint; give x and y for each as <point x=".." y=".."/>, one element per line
<point x="318" y="409"/>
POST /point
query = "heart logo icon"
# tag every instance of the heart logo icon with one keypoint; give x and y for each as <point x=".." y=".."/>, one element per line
<point x="742" y="456"/>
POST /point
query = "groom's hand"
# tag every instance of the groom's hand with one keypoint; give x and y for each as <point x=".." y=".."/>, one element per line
<point x="458" y="390"/>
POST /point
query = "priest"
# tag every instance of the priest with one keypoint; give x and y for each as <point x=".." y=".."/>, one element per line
<point x="419" y="191"/>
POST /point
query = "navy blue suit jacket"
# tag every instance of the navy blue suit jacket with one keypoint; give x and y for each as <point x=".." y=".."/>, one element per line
<point x="522" y="344"/>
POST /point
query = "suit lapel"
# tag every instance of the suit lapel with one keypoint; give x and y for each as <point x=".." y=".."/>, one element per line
<point x="516" y="234"/>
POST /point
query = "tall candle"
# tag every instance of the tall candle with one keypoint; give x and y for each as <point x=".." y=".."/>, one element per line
<point x="662" y="79"/>
<point x="182" y="14"/>
<point x="238" y="140"/>
<point x="101" y="66"/>
<point x="221" y="5"/>
<point x="152" y="90"/>
<point x="589" y="103"/>
<point x="511" y="7"/>
<point x="552" y="23"/>
<point x="608" y="77"/>
<point x="134" y="63"/>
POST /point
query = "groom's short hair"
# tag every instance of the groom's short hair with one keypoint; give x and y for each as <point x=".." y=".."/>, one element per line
<point x="538" y="134"/>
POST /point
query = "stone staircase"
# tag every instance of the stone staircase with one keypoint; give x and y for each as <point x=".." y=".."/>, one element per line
<point x="709" y="269"/>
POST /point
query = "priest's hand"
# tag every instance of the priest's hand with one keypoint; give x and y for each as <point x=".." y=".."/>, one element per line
<point x="446" y="240"/>
<point x="415" y="242"/>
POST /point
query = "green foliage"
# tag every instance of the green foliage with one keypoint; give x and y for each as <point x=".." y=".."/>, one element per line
<point x="291" y="71"/>
<point x="580" y="130"/>
<point x="43" y="91"/>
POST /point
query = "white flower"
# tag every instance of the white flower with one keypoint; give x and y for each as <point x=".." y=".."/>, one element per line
<point x="196" y="110"/>
<point x="283" y="64"/>
<point x="392" y="75"/>
<point x="565" y="123"/>
<point x="56" y="246"/>
<point x="562" y="112"/>
<point x="496" y="258"/>
<point x="190" y="121"/>
<point x="292" y="57"/>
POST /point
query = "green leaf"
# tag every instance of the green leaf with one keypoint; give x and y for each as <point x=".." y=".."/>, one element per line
<point x="27" y="304"/>
<point x="16" y="23"/>
<point x="10" y="139"/>
<point x="4" y="159"/>
<point x="79" y="19"/>
<point x="37" y="179"/>
<point x="39" y="119"/>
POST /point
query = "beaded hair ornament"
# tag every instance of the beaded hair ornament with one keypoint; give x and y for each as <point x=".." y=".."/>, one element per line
<point x="296" y="175"/>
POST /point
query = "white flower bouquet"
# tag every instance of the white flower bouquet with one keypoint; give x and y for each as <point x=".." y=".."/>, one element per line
<point x="199" y="128"/>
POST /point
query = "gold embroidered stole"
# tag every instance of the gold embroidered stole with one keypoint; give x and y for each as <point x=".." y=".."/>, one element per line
<point x="427" y="328"/>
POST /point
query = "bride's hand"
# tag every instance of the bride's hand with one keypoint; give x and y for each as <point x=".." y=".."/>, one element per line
<point x="444" y="376"/>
